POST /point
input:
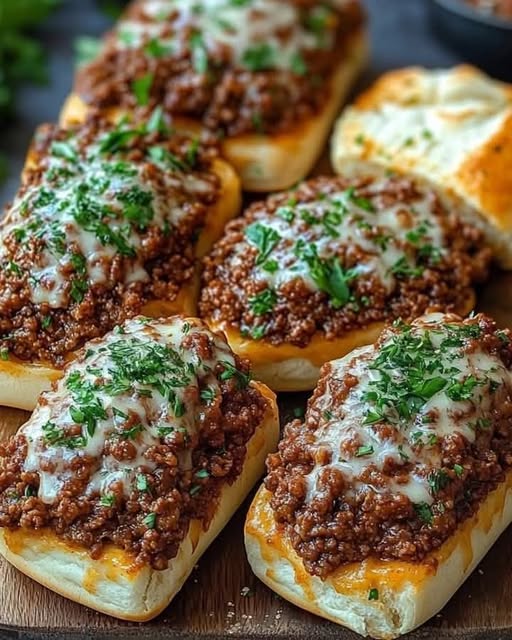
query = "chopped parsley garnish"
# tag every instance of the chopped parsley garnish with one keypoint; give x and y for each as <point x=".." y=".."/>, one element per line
<point x="46" y="321"/>
<point x="424" y="512"/>
<point x="364" y="450"/>
<point x="55" y="436"/>
<point x="230" y="371"/>
<point x="263" y="238"/>
<point x="286" y="213"/>
<point x="402" y="268"/>
<point x="199" y="53"/>
<point x="263" y="302"/>
<point x="164" y="157"/>
<point x="259" y="57"/>
<point x="373" y="594"/>
<point x="202" y="474"/>
<point x="156" y="122"/>
<point x="437" y="480"/>
<point x="459" y="391"/>
<point x="362" y="203"/>
<point x="150" y="520"/>
<point x="420" y="371"/>
<point x="459" y="470"/>
<point x="107" y="500"/>
<point x="208" y="395"/>
<point x="328" y="274"/>
<point x="61" y="149"/>
<point x="141" y="482"/>
<point x="298" y="64"/>
<point x="141" y="88"/>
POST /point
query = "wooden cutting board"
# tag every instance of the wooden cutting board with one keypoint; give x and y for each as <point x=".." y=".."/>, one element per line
<point x="223" y="599"/>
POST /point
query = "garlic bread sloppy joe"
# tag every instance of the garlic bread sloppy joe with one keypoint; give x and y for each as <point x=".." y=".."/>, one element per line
<point x="267" y="76"/>
<point x="380" y="504"/>
<point x="307" y="275"/>
<point x="451" y="126"/>
<point x="131" y="466"/>
<point x="109" y="222"/>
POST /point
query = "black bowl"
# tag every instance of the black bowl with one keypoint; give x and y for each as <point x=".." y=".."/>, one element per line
<point x="481" y="38"/>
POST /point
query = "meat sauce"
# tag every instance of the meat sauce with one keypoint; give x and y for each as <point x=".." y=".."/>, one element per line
<point x="237" y="67"/>
<point x="401" y="442"/>
<point x="137" y="440"/>
<point x="338" y="254"/>
<point x="106" y="220"/>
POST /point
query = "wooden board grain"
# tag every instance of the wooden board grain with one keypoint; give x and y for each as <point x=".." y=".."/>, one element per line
<point x="222" y="598"/>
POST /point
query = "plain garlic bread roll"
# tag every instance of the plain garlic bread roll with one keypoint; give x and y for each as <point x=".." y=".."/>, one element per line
<point x="266" y="76"/>
<point x="453" y="127"/>
<point x="380" y="504"/>
<point x="131" y="466"/>
<point x="109" y="222"/>
<point x="307" y="275"/>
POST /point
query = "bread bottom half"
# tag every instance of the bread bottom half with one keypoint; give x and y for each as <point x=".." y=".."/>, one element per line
<point x="22" y="382"/>
<point x="286" y="367"/>
<point x="270" y="162"/>
<point x="112" y="584"/>
<point x="408" y="593"/>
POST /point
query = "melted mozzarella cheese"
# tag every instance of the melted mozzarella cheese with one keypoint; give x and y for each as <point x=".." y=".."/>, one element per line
<point x="348" y="228"/>
<point x="438" y="417"/>
<point x="144" y="404"/>
<point x="64" y="216"/>
<point x="235" y="27"/>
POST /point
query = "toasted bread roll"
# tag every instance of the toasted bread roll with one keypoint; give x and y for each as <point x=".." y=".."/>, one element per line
<point x="128" y="470"/>
<point x="266" y="76"/>
<point x="308" y="275"/>
<point x="453" y="127"/>
<point x="109" y="222"/>
<point x="378" y="507"/>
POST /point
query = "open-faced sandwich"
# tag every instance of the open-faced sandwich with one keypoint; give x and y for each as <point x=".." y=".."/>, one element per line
<point x="307" y="275"/>
<point x="130" y="467"/>
<point x="267" y="76"/>
<point x="109" y="222"/>
<point x="381" y="503"/>
<point x="453" y="127"/>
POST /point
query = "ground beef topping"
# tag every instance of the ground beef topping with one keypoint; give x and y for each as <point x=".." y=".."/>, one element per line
<point x="137" y="439"/>
<point x="337" y="254"/>
<point x="106" y="220"/>
<point x="236" y="65"/>
<point x="401" y="442"/>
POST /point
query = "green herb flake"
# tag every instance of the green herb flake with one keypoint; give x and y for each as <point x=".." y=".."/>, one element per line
<point x="373" y="594"/>
<point x="263" y="302"/>
<point x="150" y="521"/>
<point x="259" y="58"/>
<point x="141" y="482"/>
<point x="141" y="88"/>
<point x="107" y="500"/>
<point x="263" y="238"/>
<point x="459" y="470"/>
<point x="424" y="512"/>
<point x="199" y="53"/>
<point x="364" y="450"/>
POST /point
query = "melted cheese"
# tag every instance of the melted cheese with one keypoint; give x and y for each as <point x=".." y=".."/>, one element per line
<point x="239" y="29"/>
<point x="83" y="212"/>
<point x="391" y="239"/>
<point x="167" y="402"/>
<point x="413" y="437"/>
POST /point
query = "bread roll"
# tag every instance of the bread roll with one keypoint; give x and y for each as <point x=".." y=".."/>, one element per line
<point x="452" y="127"/>
<point x="171" y="436"/>
<point x="110" y="221"/>
<point x="378" y="507"/>
<point x="270" y="98"/>
<point x="308" y="275"/>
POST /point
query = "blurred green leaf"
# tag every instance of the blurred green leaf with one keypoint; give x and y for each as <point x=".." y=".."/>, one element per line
<point x="19" y="14"/>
